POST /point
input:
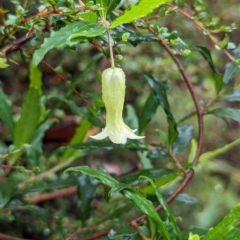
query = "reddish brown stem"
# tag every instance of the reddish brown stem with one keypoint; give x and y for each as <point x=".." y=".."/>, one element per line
<point x="8" y="237"/>
<point x="192" y="92"/>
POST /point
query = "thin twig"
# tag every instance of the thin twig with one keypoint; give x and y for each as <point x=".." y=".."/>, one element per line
<point x="97" y="235"/>
<point x="176" y="161"/>
<point x="201" y="26"/>
<point x="65" y="80"/>
<point x="51" y="195"/>
<point x="46" y="173"/>
<point x="8" y="237"/>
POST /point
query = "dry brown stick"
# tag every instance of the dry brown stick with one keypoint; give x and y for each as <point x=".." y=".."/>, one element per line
<point x="8" y="237"/>
<point x="51" y="195"/>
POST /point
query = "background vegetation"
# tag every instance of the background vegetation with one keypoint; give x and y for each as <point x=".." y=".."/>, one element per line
<point x="181" y="61"/>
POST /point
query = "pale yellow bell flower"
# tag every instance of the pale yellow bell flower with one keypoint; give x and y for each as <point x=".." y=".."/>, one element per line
<point x="113" y="95"/>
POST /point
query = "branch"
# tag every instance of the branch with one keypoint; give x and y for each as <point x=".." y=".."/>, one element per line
<point x="8" y="237"/>
<point x="201" y="26"/>
<point x="51" y="195"/>
<point x="192" y="92"/>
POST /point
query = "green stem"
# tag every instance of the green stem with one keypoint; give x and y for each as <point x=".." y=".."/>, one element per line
<point x="110" y="49"/>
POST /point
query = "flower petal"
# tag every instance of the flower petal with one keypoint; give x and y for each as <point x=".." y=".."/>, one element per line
<point x="129" y="133"/>
<point x="117" y="137"/>
<point x="100" y="135"/>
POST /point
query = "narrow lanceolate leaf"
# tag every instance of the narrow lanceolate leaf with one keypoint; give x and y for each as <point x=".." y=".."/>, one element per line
<point x="159" y="90"/>
<point x="7" y="189"/>
<point x="6" y="112"/>
<point x="185" y="134"/>
<point x="140" y="10"/>
<point x="148" y="111"/>
<point x="212" y="154"/>
<point x="231" y="67"/>
<point x="108" y="6"/>
<point x="163" y="202"/>
<point x="63" y="37"/>
<point x="225" y="226"/>
<point x="147" y="208"/>
<point x="231" y="113"/>
<point x="35" y="77"/>
<point x="102" y="175"/>
<point x="30" y="115"/>
<point x="78" y="137"/>
<point x="217" y="76"/>
<point x="232" y="97"/>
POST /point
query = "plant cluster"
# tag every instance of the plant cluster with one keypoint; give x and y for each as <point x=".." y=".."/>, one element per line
<point x="73" y="74"/>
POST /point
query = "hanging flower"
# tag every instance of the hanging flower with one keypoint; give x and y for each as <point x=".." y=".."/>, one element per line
<point x="113" y="94"/>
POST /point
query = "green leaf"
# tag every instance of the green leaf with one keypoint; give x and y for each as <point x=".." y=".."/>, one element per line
<point x="108" y="146"/>
<point x="161" y="181"/>
<point x="125" y="232"/>
<point x="89" y="16"/>
<point x="62" y="38"/>
<point x="211" y="154"/>
<point x="134" y="37"/>
<point x="233" y="235"/>
<point x="157" y="154"/>
<point x="3" y="63"/>
<point x="217" y="76"/>
<point x="86" y="187"/>
<point x="102" y="175"/>
<point x="153" y="174"/>
<point x="231" y="113"/>
<point x="186" y="199"/>
<point x="185" y="134"/>
<point x="140" y="10"/>
<point x="232" y="97"/>
<point x="118" y="212"/>
<point x="7" y="189"/>
<point x="118" y="188"/>
<point x="30" y="115"/>
<point x="165" y="206"/>
<point x="148" y="111"/>
<point x="35" y="77"/>
<point x="108" y="5"/>
<point x="159" y="90"/>
<point x="159" y="176"/>
<point x="73" y="107"/>
<point x="225" y="226"/>
<point x="35" y="152"/>
<point x="231" y="67"/>
<point x="147" y="208"/>
<point x="6" y="112"/>
<point x="78" y="137"/>
<point x="198" y="231"/>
